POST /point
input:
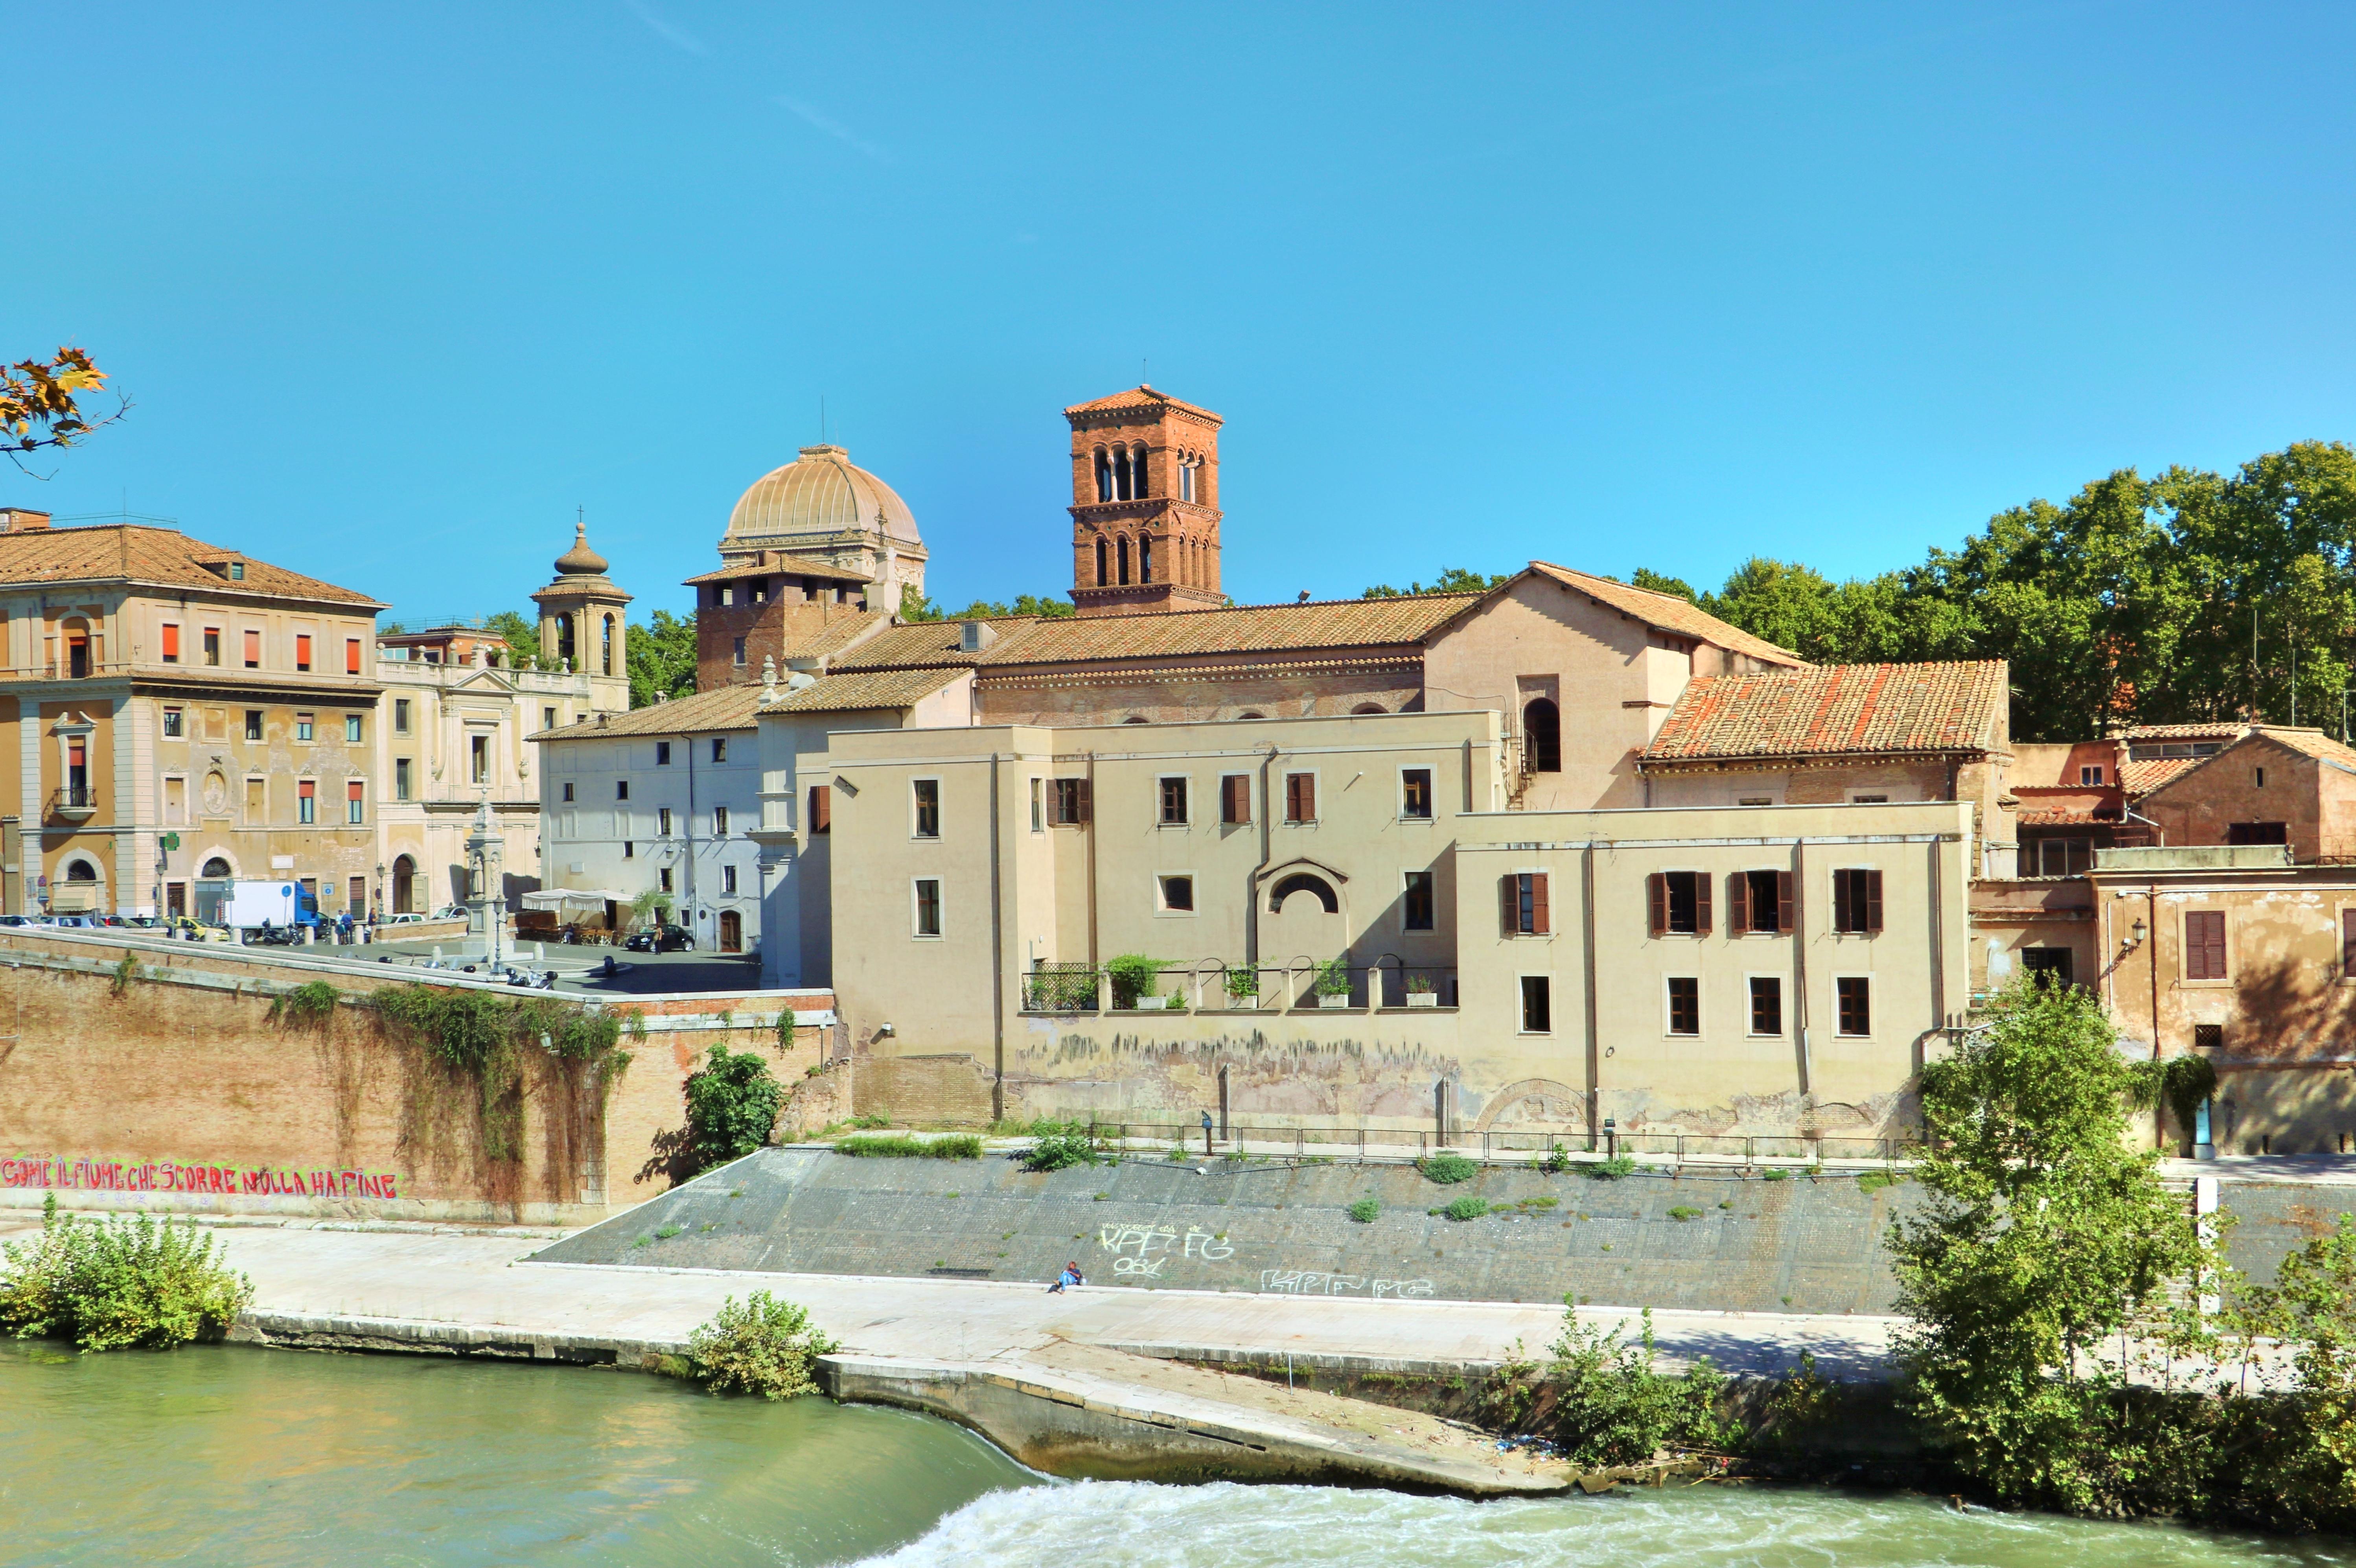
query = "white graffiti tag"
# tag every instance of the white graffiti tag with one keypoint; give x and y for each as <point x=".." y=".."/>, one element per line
<point x="1147" y="1268"/>
<point x="1208" y="1245"/>
<point x="1312" y="1282"/>
<point x="1138" y="1241"/>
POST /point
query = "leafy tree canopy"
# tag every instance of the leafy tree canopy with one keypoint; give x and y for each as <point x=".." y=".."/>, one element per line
<point x="915" y="606"/>
<point x="40" y="403"/>
<point x="1451" y="580"/>
<point x="521" y="634"/>
<point x="662" y="658"/>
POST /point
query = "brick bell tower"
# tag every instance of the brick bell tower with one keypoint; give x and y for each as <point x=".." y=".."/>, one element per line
<point x="1145" y="505"/>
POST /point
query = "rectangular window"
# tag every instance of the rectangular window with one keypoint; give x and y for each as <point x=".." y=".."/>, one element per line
<point x="929" y="808"/>
<point x="726" y="593"/>
<point x="629" y="850"/>
<point x="1038" y="805"/>
<point x="1177" y="894"/>
<point x="662" y="822"/>
<point x="2048" y="966"/>
<point x="1415" y="794"/>
<point x="1685" y="1004"/>
<point x="2093" y="775"/>
<point x="2204" y="944"/>
<point x="355" y="897"/>
<point x="253" y="723"/>
<point x="821" y="810"/>
<point x="307" y="801"/>
<point x="1677" y="903"/>
<point x="1537" y="1004"/>
<point x="400" y="715"/>
<point x="720" y="821"/>
<point x="1857" y="900"/>
<point x="1416" y="902"/>
<point x="253" y="650"/>
<point x="662" y="754"/>
<point x="176" y="802"/>
<point x="305" y="725"/>
<point x="175" y="723"/>
<point x="1235" y="798"/>
<point x="303" y="650"/>
<point x="2208" y="1036"/>
<point x="1524" y="903"/>
<point x="1855" y="995"/>
<point x="351" y="656"/>
<point x="353" y="800"/>
<point x="1301" y="797"/>
<point x="2257" y="833"/>
<point x="665" y="875"/>
<point x="728" y="879"/>
<point x="720" y="750"/>
<point x="1766" y="1005"/>
<point x="568" y="790"/>
<point x="740" y="651"/>
<point x="212" y="645"/>
<point x="2346" y="944"/>
<point x="257" y="801"/>
<point x="1173" y="803"/>
<point x="1759" y="902"/>
<point x="351" y="729"/>
<point x="171" y="642"/>
<point x="401" y="779"/>
<point x="928" y="906"/>
<point x="1071" y="801"/>
<point x="548" y="718"/>
<point x="621" y="788"/>
<point x="479" y="758"/>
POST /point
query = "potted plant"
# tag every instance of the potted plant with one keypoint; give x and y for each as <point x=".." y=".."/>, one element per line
<point x="1133" y="975"/>
<point x="1334" y="985"/>
<point x="1243" y="986"/>
<point x="1419" y="991"/>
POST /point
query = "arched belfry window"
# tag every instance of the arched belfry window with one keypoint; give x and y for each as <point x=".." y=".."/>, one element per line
<point x="1145" y="558"/>
<point x="1136" y="472"/>
<point x="1103" y="475"/>
<point x="1120" y="473"/>
<point x="1121" y="550"/>
<point x="609" y="654"/>
<point x="1541" y="736"/>
<point x="1103" y="575"/>
<point x="565" y="640"/>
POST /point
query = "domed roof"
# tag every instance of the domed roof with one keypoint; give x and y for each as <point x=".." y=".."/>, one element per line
<point x="820" y="493"/>
<point x="580" y="560"/>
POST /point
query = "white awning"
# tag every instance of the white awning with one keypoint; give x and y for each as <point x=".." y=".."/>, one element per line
<point x="572" y="899"/>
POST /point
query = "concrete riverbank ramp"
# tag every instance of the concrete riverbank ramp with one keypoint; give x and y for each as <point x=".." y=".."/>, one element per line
<point x="1714" y="1241"/>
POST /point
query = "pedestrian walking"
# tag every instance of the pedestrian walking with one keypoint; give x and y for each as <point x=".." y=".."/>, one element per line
<point x="1069" y="1277"/>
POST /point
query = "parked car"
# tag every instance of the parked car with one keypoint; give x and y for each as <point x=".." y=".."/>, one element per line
<point x="662" y="938"/>
<point x="404" y="920"/>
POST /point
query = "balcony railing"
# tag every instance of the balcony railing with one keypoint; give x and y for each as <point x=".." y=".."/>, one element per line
<point x="1208" y="986"/>
<point x="73" y="799"/>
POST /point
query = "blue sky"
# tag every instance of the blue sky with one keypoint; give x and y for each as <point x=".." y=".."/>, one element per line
<point x="395" y="289"/>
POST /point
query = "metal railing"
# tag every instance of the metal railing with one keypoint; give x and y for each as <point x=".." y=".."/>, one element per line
<point x="1720" y="1151"/>
<point x="73" y="798"/>
<point x="1209" y="985"/>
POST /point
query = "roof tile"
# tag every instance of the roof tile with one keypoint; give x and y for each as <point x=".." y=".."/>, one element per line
<point x="1836" y="709"/>
<point x="162" y="557"/>
<point x="1670" y="613"/>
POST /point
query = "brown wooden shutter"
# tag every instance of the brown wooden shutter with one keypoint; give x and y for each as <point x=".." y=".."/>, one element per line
<point x="1235" y="798"/>
<point x="1873" y="901"/>
<point x="2205" y="945"/>
<point x="1738" y="904"/>
<point x="1308" y="797"/>
<point x="1656" y="901"/>
<point x="1509" y="913"/>
<point x="1784" y="913"/>
<point x="1085" y="804"/>
<point x="1701" y="904"/>
<point x="1841" y="922"/>
<point x="821" y="809"/>
<point x="2347" y="941"/>
<point x="1539" y="918"/>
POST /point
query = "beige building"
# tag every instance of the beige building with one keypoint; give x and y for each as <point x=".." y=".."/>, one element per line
<point x="160" y="689"/>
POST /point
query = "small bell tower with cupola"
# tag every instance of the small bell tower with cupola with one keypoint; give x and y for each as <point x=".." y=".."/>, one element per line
<point x="1145" y="505"/>
<point x="581" y="622"/>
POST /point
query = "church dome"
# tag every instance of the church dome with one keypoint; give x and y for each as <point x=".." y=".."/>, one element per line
<point x="819" y="493"/>
<point x="581" y="561"/>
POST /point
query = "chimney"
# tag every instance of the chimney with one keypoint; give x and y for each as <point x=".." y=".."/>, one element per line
<point x="21" y="519"/>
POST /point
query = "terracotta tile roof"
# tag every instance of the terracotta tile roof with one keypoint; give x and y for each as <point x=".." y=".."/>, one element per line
<point x="2311" y="743"/>
<point x="2215" y="729"/>
<point x="2066" y="817"/>
<point x="156" y="557"/>
<point x="728" y="708"/>
<point x="845" y="693"/>
<point x="1257" y="629"/>
<point x="2140" y="778"/>
<point x="1839" y="709"/>
<point x="781" y="565"/>
<point x="1670" y="613"/>
<point x="1139" y="397"/>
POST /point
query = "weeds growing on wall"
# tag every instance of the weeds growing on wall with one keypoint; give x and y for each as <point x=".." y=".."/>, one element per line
<point x="1448" y="1169"/>
<point x="1367" y="1211"/>
<point x="786" y="1027"/>
<point x="766" y="1347"/>
<point x="732" y="1106"/>
<point x="310" y="1003"/>
<point x="954" y="1146"/>
<point x="124" y="973"/>
<point x="112" y="1283"/>
<point x="484" y="1035"/>
<point x="1612" y="1169"/>
<point x="1054" y="1145"/>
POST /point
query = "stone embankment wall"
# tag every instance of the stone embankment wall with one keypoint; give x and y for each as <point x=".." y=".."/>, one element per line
<point x="176" y="1087"/>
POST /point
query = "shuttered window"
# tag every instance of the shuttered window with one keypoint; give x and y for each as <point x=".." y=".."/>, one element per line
<point x="1758" y="903"/>
<point x="1523" y="904"/>
<point x="1071" y="801"/>
<point x="253" y="650"/>
<point x="1301" y="797"/>
<point x="2204" y="944"/>
<point x="1857" y="900"/>
<point x="821" y="809"/>
<point x="351" y="656"/>
<point x="171" y="643"/>
<point x="1235" y="798"/>
<point x="1677" y="903"/>
<point x="302" y="651"/>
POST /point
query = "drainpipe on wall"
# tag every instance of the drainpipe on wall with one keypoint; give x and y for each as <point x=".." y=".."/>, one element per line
<point x="1800" y="964"/>
<point x="12" y="866"/>
<point x="997" y="956"/>
<point x="1252" y="892"/>
<point x="1090" y="828"/>
<point x="2151" y="962"/>
<point x="1587" y="941"/>
<point x="689" y="742"/>
<point x="1938" y="939"/>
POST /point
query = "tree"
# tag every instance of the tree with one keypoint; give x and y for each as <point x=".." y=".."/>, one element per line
<point x="662" y="658"/>
<point x="41" y="403"/>
<point x="2042" y="1234"/>
<point x="1451" y="580"/>
<point x="732" y="1105"/>
<point x="1660" y="583"/>
<point x="915" y="606"/>
<point x="520" y="633"/>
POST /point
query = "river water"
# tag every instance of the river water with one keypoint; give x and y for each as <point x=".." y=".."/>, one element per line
<point x="227" y="1455"/>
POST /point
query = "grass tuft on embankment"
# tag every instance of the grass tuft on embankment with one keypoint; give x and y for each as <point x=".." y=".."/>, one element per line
<point x="955" y="1146"/>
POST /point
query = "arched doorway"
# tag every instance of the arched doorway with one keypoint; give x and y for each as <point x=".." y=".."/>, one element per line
<point x="732" y="932"/>
<point x="1304" y="920"/>
<point x="1541" y="736"/>
<point x="404" y="885"/>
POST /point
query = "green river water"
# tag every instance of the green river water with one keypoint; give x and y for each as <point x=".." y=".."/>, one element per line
<point x="227" y="1455"/>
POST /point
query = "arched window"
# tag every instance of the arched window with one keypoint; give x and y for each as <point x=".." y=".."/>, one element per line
<point x="1369" y="708"/>
<point x="77" y="634"/>
<point x="1304" y="882"/>
<point x="81" y="870"/>
<point x="1252" y="715"/>
<point x="609" y="645"/>
<point x="1103" y="575"/>
<point x="565" y="648"/>
<point x="1103" y="475"/>
<point x="1145" y="558"/>
<point x="1138" y="485"/>
<point x="1541" y="736"/>
<point x="1121" y="550"/>
<point x="1186" y="479"/>
<point x="1120" y="490"/>
<point x="404" y="887"/>
<point x="1135" y="719"/>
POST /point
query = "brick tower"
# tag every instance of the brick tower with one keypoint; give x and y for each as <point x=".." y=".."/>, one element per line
<point x="1145" y="504"/>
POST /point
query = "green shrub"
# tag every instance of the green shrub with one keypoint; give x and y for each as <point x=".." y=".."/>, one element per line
<point x="1554" y="1162"/>
<point x="731" y="1104"/>
<point x="1366" y="1211"/>
<point x="114" y="1282"/>
<point x="955" y="1146"/>
<point x="1133" y="975"/>
<point x="665" y="1232"/>
<point x="1871" y="1181"/>
<point x="1243" y="984"/>
<point x="1448" y="1168"/>
<point x="785" y="1030"/>
<point x="313" y="1002"/>
<point x="766" y="1347"/>
<point x="1613" y="1408"/>
<point x="1334" y="978"/>
<point x="1469" y="1207"/>
<point x="1773" y="1172"/>
<point x="1683" y="1212"/>
<point x="1057" y="1145"/>
<point x="128" y="971"/>
<point x="1612" y="1169"/>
